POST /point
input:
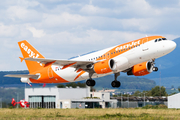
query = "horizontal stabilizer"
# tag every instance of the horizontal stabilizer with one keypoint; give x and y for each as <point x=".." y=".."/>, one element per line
<point x="22" y="76"/>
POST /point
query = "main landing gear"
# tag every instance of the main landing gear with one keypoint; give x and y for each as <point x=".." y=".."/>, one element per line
<point x="116" y="83"/>
<point x="90" y="82"/>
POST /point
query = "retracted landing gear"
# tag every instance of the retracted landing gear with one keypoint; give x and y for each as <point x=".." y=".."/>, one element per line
<point x="90" y="81"/>
<point x="116" y="83"/>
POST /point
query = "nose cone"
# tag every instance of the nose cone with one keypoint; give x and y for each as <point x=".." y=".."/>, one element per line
<point x="171" y="45"/>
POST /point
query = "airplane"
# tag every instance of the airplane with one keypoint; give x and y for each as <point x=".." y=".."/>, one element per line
<point x="23" y="103"/>
<point x="134" y="58"/>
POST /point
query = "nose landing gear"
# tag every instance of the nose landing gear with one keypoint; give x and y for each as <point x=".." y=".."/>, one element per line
<point x="155" y="69"/>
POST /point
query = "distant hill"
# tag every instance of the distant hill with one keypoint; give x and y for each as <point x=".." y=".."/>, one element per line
<point x="8" y="80"/>
<point x="103" y="82"/>
<point x="126" y="82"/>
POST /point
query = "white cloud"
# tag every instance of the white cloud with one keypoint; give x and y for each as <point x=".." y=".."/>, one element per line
<point x="8" y="31"/>
<point x="93" y="24"/>
<point x="63" y="20"/>
<point x="35" y="32"/>
<point x="93" y="10"/>
<point x="22" y="14"/>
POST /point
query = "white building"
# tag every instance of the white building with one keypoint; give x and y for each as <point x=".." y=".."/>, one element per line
<point x="68" y="98"/>
<point x="174" y="101"/>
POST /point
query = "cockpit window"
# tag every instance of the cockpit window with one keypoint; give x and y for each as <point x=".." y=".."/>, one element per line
<point x="164" y="39"/>
<point x="159" y="39"/>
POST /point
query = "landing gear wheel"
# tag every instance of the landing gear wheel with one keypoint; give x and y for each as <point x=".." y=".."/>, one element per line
<point x="90" y="82"/>
<point x="155" y="69"/>
<point x="115" y="84"/>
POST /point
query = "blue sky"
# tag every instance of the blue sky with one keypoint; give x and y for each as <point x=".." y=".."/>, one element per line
<point x="61" y="29"/>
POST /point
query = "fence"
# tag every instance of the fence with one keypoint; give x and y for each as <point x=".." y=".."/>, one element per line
<point x="134" y="104"/>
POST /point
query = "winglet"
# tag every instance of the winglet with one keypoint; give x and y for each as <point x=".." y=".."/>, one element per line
<point x="21" y="59"/>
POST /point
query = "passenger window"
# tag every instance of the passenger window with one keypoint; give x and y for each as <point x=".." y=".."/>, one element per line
<point x="156" y="40"/>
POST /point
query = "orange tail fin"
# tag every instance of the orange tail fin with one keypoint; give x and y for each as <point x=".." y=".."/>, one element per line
<point x="29" y="51"/>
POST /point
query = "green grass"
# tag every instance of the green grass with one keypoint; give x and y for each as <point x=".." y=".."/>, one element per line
<point x="89" y="114"/>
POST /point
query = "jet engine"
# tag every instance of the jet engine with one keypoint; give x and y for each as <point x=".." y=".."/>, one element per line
<point x="103" y="67"/>
<point x="141" y="69"/>
<point x="115" y="65"/>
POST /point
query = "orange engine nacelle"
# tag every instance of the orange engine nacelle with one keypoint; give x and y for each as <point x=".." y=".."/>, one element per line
<point x="141" y="69"/>
<point x="104" y="66"/>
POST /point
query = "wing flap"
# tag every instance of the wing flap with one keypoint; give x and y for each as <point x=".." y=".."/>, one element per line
<point x="22" y="76"/>
<point x="60" y="62"/>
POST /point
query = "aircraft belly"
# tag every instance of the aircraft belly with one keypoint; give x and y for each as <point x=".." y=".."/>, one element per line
<point x="68" y="74"/>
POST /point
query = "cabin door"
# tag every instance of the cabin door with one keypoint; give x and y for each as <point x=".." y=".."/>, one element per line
<point x="50" y="73"/>
<point x="145" y="44"/>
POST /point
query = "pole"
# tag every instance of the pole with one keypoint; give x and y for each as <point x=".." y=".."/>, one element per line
<point x="144" y="99"/>
<point x="160" y="79"/>
<point x="121" y="100"/>
<point x="17" y="99"/>
<point x="128" y="101"/>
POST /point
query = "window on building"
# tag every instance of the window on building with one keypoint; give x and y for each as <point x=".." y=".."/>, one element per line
<point x="102" y="96"/>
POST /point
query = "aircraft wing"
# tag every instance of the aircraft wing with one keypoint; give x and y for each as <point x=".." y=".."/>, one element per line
<point x="68" y="63"/>
<point x="22" y="76"/>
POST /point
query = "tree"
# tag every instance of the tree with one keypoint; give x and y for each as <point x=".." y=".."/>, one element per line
<point x="61" y="86"/>
<point x="157" y="91"/>
<point x="137" y="93"/>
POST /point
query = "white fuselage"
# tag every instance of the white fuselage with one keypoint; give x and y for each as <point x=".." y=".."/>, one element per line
<point x="143" y="52"/>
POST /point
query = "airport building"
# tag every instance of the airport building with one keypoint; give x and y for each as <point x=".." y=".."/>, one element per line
<point x="174" y="101"/>
<point x="68" y="98"/>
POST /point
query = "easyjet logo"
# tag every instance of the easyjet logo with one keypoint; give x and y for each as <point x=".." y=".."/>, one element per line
<point x="29" y="51"/>
<point x="128" y="45"/>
